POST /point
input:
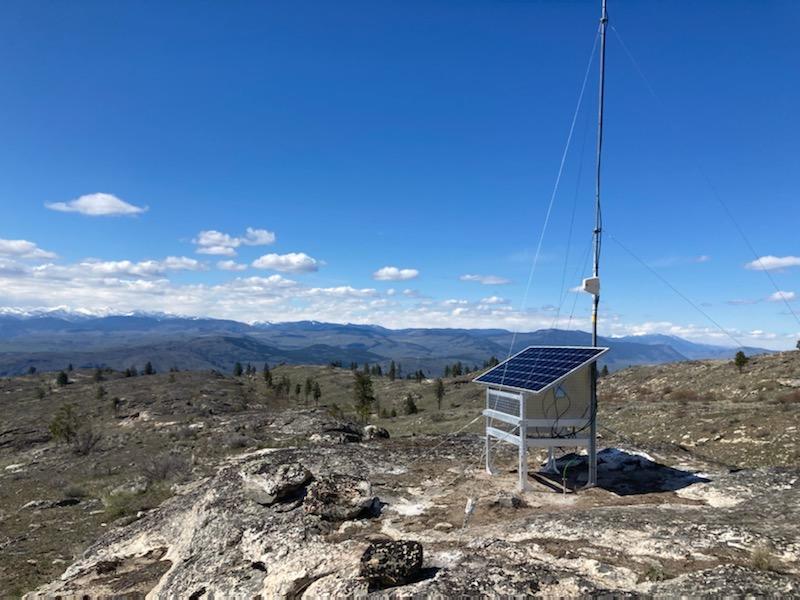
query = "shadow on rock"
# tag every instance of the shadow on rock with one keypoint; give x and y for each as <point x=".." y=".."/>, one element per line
<point x="623" y="473"/>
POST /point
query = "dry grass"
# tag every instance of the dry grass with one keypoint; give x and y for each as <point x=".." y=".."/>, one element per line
<point x="763" y="560"/>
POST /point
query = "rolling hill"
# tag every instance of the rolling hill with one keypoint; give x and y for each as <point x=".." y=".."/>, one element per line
<point x="52" y="340"/>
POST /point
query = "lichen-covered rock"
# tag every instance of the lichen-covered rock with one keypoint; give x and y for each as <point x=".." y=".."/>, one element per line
<point x="340" y="498"/>
<point x="340" y="434"/>
<point x="391" y="563"/>
<point x="507" y="501"/>
<point x="268" y="485"/>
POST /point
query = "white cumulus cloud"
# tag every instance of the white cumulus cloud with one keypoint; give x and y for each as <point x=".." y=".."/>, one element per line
<point x="486" y="279"/>
<point x="780" y="296"/>
<point x="97" y="205"/>
<point x="293" y="262"/>
<point x="230" y="265"/>
<point x="145" y="268"/>
<point x="772" y="263"/>
<point x="211" y="241"/>
<point x="23" y="249"/>
<point x="257" y="237"/>
<point x="394" y="274"/>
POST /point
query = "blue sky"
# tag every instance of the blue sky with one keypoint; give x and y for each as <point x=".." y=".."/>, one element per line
<point x="424" y="136"/>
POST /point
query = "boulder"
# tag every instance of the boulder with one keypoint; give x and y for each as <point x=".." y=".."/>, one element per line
<point x="340" y="433"/>
<point x="504" y="500"/>
<point x="267" y="486"/>
<point x="373" y="432"/>
<point x="391" y="563"/>
<point x="340" y="498"/>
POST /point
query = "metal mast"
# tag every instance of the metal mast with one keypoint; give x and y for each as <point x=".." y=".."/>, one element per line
<point x="598" y="230"/>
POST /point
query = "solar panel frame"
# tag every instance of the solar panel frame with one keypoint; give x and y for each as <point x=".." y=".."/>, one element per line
<point x="595" y="352"/>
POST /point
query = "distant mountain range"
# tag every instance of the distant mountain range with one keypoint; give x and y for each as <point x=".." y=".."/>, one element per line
<point x="51" y="340"/>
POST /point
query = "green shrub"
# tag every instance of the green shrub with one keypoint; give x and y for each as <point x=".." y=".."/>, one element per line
<point x="130" y="503"/>
<point x="65" y="424"/>
<point x="409" y="405"/>
<point x="75" y="491"/>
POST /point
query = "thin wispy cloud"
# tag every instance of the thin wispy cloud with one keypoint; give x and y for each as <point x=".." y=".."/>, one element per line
<point x="494" y="300"/>
<point x="742" y="301"/>
<point x="485" y="279"/>
<point x="674" y="261"/>
<point x="773" y="263"/>
<point x="394" y="274"/>
<point x="293" y="262"/>
<point x="343" y="291"/>
<point x="98" y="205"/>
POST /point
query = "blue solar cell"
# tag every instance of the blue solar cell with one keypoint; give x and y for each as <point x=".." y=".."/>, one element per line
<point x="537" y="367"/>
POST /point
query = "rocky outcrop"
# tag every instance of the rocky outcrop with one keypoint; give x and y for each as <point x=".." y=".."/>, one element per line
<point x="336" y="521"/>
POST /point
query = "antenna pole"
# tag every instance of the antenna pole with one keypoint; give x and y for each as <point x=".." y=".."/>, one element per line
<point x="598" y="230"/>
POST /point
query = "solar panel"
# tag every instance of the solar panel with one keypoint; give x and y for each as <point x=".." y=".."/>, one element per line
<point x="538" y="367"/>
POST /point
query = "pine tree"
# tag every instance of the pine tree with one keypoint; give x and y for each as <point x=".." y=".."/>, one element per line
<point x="148" y="368"/>
<point x="363" y="395"/>
<point x="604" y="371"/>
<point x="298" y="389"/>
<point x="98" y="374"/>
<point x="64" y="426"/>
<point x="62" y="379"/>
<point x="447" y="371"/>
<point x="69" y="366"/>
<point x="393" y="371"/>
<point x="267" y="375"/>
<point x="740" y="360"/>
<point x="237" y="369"/>
<point x="317" y="393"/>
<point x="439" y="390"/>
<point x="308" y="388"/>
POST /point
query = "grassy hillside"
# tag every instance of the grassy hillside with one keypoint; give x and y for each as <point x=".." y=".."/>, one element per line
<point x="709" y="408"/>
<point x="168" y="429"/>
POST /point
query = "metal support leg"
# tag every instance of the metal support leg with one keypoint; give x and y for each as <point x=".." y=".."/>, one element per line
<point x="489" y="465"/>
<point x="523" y="458"/>
<point x="592" y="479"/>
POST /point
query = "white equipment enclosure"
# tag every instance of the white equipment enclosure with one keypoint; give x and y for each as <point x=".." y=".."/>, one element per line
<point x="542" y="397"/>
